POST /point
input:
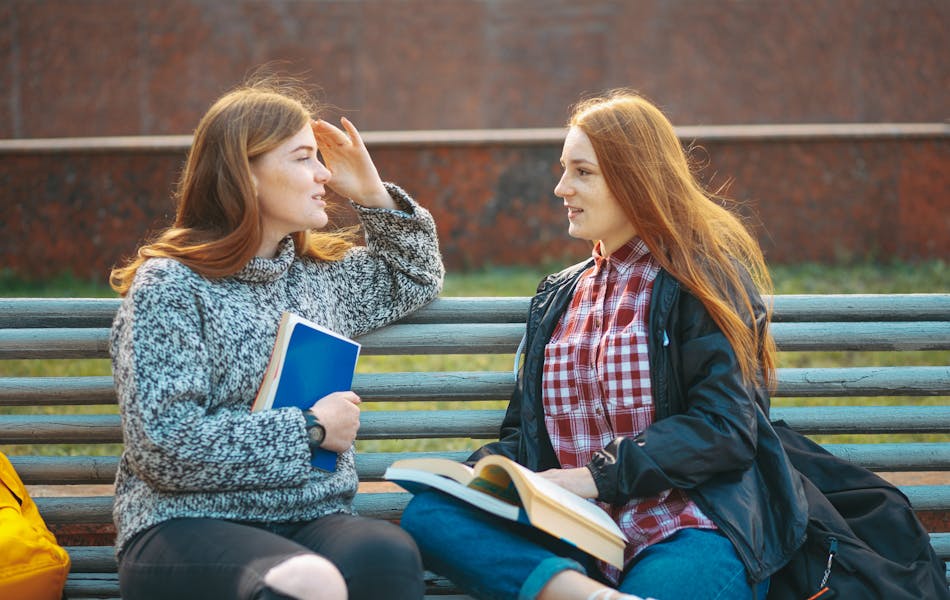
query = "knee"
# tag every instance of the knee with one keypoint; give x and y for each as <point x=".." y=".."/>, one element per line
<point x="393" y="547"/>
<point x="307" y="577"/>
<point x="389" y="566"/>
<point x="424" y="512"/>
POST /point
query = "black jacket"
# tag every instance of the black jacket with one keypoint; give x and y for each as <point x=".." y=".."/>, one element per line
<point x="708" y="437"/>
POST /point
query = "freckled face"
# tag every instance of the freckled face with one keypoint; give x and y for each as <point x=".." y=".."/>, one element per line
<point x="290" y="188"/>
<point x="592" y="211"/>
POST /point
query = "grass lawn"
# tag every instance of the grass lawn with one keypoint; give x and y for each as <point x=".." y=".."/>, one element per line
<point x="925" y="277"/>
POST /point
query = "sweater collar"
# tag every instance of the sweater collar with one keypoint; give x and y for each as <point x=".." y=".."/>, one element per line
<point x="264" y="270"/>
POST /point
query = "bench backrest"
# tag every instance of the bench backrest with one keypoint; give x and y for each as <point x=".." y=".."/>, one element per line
<point x="472" y="327"/>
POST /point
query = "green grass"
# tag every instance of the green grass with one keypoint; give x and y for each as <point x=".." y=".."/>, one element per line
<point x="926" y="277"/>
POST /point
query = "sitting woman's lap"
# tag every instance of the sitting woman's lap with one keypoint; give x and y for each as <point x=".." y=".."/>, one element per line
<point x="492" y="558"/>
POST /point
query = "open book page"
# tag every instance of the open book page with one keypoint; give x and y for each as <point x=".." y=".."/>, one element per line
<point x="562" y="498"/>
<point x="408" y="474"/>
<point x="502" y="487"/>
<point x="460" y="472"/>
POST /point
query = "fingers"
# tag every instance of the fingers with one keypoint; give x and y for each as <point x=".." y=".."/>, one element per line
<point x="352" y="131"/>
<point x="328" y="134"/>
<point x="340" y="416"/>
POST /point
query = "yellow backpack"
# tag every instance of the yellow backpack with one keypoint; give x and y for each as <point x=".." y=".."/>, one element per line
<point x="32" y="564"/>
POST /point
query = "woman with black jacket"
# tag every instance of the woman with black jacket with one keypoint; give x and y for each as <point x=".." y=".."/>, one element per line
<point x="644" y="388"/>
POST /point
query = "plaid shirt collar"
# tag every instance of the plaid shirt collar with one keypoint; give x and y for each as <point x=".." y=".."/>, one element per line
<point x="623" y="258"/>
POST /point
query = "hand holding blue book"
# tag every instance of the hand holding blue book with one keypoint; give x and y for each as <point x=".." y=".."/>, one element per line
<point x="308" y="362"/>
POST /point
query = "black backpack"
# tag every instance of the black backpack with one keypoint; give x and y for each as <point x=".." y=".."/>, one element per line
<point x="863" y="539"/>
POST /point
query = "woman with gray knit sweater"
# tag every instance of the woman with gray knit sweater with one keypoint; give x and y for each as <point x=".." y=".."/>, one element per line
<point x="213" y="500"/>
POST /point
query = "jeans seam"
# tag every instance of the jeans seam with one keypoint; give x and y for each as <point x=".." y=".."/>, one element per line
<point x="730" y="584"/>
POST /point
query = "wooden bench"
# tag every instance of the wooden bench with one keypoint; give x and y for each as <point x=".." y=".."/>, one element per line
<point x="78" y="328"/>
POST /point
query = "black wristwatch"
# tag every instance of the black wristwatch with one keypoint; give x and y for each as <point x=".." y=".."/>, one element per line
<point x="316" y="432"/>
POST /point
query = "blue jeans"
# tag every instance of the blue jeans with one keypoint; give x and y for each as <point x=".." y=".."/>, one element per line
<point x="494" y="559"/>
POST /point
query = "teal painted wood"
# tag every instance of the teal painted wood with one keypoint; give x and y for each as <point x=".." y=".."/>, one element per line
<point x="497" y="385"/>
<point x="503" y="338"/>
<point x="78" y="328"/>
<point x="485" y="423"/>
<point x="382" y="505"/>
<point x="99" y="312"/>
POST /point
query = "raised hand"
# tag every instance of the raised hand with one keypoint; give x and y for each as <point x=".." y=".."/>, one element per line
<point x="354" y="174"/>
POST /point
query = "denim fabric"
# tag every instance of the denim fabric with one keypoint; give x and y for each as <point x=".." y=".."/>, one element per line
<point x="494" y="559"/>
<point x="488" y="557"/>
<point x="692" y="563"/>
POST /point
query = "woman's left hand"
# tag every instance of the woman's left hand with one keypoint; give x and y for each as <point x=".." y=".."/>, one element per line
<point x="580" y="481"/>
<point x="354" y="174"/>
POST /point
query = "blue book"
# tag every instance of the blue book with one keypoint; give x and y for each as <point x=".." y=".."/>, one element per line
<point x="308" y="362"/>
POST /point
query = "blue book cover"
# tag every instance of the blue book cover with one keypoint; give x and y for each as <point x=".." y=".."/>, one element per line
<point x="308" y="362"/>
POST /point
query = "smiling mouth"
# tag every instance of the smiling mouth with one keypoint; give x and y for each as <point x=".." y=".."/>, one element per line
<point x="573" y="212"/>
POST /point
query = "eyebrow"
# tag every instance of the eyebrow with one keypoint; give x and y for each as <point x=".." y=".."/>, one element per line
<point x="581" y="161"/>
<point x="303" y="147"/>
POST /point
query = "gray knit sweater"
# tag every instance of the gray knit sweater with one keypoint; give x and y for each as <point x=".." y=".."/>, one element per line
<point x="188" y="354"/>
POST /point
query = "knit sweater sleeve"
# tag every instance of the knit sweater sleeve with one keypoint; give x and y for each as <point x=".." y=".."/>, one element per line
<point x="399" y="270"/>
<point x="176" y="439"/>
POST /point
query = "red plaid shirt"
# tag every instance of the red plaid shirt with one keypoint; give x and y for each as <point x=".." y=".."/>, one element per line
<point x="596" y="386"/>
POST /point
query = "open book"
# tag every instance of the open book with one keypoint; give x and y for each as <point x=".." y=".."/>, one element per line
<point x="307" y="363"/>
<point x="503" y="487"/>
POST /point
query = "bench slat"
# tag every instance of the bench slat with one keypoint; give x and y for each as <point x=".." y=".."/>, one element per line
<point x="503" y="338"/>
<point x="101" y="559"/>
<point x="497" y="385"/>
<point x="57" y="312"/>
<point x="66" y="470"/>
<point x="485" y="423"/>
<point x="863" y="381"/>
<point x="382" y="505"/>
<point x="861" y="307"/>
<point x="829" y="420"/>
<point x="84" y="584"/>
<point x="823" y="336"/>
<point x="99" y="312"/>
<point x="56" y="391"/>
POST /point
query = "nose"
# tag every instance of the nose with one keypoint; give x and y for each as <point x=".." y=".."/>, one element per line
<point x="321" y="174"/>
<point x="562" y="190"/>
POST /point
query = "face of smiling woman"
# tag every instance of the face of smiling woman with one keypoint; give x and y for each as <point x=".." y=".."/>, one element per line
<point x="290" y="184"/>
<point x="592" y="211"/>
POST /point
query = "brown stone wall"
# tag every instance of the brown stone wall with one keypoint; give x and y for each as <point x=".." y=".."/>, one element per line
<point x="114" y="67"/>
<point x="825" y="199"/>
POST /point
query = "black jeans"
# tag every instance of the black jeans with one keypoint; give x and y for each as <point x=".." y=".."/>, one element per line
<point x="211" y="558"/>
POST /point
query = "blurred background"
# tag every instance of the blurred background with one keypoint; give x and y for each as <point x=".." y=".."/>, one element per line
<point x="827" y="119"/>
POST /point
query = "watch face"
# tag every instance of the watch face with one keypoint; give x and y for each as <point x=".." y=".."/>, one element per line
<point x="316" y="434"/>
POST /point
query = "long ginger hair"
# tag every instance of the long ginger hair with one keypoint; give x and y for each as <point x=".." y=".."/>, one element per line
<point x="218" y="227"/>
<point x="690" y="234"/>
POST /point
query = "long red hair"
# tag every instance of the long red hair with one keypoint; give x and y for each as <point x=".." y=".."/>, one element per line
<point x="689" y="233"/>
<point x="217" y="227"/>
